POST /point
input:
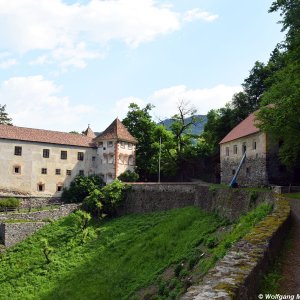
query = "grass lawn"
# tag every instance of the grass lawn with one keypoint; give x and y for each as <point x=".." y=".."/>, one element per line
<point x="119" y="258"/>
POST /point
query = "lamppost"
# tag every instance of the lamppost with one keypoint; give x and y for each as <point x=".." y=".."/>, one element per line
<point x="159" y="158"/>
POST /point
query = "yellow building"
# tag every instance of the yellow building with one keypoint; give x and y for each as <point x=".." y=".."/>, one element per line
<point x="42" y="162"/>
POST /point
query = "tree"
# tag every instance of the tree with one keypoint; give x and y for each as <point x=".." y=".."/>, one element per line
<point x="282" y="119"/>
<point x="140" y="124"/>
<point x="4" y="118"/>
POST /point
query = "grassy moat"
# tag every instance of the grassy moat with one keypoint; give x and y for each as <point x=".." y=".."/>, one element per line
<point x="149" y="256"/>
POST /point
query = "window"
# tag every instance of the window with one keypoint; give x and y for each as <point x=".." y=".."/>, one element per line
<point x="59" y="187"/>
<point x="254" y="145"/>
<point x="93" y="158"/>
<point x="227" y="151"/>
<point x="110" y="159"/>
<point x="57" y="171"/>
<point x="18" y="150"/>
<point x="63" y="155"/>
<point x="100" y="145"/>
<point x="235" y="149"/>
<point x="244" y="148"/>
<point x="122" y="144"/>
<point x="40" y="187"/>
<point x="44" y="170"/>
<point x="81" y="172"/>
<point x="80" y="155"/>
<point x="129" y="146"/>
<point x="17" y="169"/>
<point x="110" y="144"/>
<point x="69" y="172"/>
<point x="46" y="153"/>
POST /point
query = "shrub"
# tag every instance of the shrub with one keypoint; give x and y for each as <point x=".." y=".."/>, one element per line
<point x="10" y="202"/>
<point x="81" y="187"/>
<point x="113" y="194"/>
<point x="82" y="219"/>
<point x="129" y="176"/>
<point x="93" y="203"/>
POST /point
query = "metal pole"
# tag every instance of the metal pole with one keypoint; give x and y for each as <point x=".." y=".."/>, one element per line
<point x="159" y="157"/>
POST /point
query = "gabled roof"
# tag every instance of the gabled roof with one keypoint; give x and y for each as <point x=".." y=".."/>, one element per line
<point x="246" y="127"/>
<point x="116" y="131"/>
<point x="89" y="132"/>
<point x="44" y="136"/>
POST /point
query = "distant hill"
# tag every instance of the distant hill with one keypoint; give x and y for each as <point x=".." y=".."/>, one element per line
<point x="198" y="129"/>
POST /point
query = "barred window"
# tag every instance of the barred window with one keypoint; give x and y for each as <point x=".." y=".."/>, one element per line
<point x="18" y="150"/>
<point x="63" y="154"/>
<point x="46" y="153"/>
<point x="44" y="170"/>
<point x="80" y="155"/>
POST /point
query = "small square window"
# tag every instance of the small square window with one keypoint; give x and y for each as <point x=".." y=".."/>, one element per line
<point x="17" y="170"/>
<point x="44" y="170"/>
<point x="41" y="187"/>
<point x="69" y="172"/>
<point x="46" y="153"/>
<point x="63" y="154"/>
<point x="18" y="150"/>
<point x="57" y="171"/>
<point x="80" y="155"/>
<point x="110" y="144"/>
<point x="81" y="172"/>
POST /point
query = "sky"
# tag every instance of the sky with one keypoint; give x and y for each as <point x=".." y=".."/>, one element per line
<point x="65" y="64"/>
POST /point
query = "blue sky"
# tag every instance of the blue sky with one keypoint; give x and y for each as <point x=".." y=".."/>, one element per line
<point x="66" y="64"/>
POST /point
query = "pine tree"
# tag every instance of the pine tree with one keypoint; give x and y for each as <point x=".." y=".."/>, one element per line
<point x="4" y="118"/>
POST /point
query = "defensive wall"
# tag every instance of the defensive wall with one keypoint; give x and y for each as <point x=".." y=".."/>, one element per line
<point x="227" y="202"/>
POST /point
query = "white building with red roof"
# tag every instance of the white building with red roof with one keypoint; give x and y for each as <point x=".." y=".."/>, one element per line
<point x="42" y="162"/>
<point x="261" y="166"/>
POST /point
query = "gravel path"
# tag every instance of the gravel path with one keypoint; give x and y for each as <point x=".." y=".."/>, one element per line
<point x="290" y="284"/>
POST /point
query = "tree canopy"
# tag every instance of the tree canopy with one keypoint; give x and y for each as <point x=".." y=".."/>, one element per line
<point x="4" y="118"/>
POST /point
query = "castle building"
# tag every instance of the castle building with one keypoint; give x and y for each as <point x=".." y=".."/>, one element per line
<point x="42" y="162"/>
<point x="262" y="166"/>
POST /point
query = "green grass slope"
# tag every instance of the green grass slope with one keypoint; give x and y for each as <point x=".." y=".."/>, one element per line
<point x="117" y="258"/>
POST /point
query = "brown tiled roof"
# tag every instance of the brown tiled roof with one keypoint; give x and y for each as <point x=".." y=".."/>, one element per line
<point x="44" y="136"/>
<point x="89" y="132"/>
<point x="246" y="127"/>
<point x="116" y="130"/>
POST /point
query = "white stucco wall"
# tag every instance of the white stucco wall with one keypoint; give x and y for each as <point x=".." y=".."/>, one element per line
<point x="32" y="161"/>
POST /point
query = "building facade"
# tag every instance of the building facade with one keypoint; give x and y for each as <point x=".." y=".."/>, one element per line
<point x="261" y="167"/>
<point x="42" y="162"/>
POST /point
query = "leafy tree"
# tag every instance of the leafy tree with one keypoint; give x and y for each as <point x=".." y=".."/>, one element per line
<point x="129" y="176"/>
<point x="281" y="119"/>
<point x="140" y="124"/>
<point x="4" y="118"/>
<point x="81" y="187"/>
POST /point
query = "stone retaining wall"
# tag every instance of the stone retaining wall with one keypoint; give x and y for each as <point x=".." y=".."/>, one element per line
<point x="238" y="274"/>
<point x="34" y="202"/>
<point x="13" y="233"/>
<point x="229" y="203"/>
<point x="53" y="214"/>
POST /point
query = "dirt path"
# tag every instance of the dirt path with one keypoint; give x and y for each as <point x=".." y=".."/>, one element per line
<point x="290" y="284"/>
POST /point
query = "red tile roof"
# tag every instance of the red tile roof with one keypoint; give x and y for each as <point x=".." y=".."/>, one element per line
<point x="246" y="127"/>
<point x="44" y="136"/>
<point x="116" y="130"/>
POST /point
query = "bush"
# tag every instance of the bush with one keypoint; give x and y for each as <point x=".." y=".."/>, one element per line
<point x="129" y="176"/>
<point x="10" y="202"/>
<point x="93" y="203"/>
<point x="81" y="187"/>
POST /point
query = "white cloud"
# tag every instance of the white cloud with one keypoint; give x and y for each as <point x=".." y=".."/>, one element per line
<point x="8" y="63"/>
<point x="167" y="99"/>
<point x="197" y="14"/>
<point x="73" y="34"/>
<point x="36" y="102"/>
